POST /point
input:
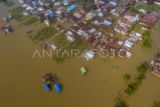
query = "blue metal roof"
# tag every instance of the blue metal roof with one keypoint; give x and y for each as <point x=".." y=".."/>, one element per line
<point x="71" y="8"/>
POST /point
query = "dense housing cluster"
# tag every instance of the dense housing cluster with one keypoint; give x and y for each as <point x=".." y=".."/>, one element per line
<point x="96" y="22"/>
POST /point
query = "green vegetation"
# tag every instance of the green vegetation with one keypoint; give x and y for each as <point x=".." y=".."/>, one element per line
<point x="83" y="3"/>
<point x="148" y="7"/>
<point x="137" y="27"/>
<point x="7" y="2"/>
<point x="62" y="41"/>
<point x="126" y="77"/>
<point x="142" y="68"/>
<point x="133" y="86"/>
<point x="17" y="13"/>
<point x="44" y="33"/>
<point x="156" y="104"/>
<point x="147" y="41"/>
<point x="78" y="46"/>
<point x="30" y="20"/>
<point x="120" y="102"/>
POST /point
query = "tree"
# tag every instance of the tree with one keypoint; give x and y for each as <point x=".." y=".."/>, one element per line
<point x="142" y="68"/>
<point x="126" y="77"/>
<point x="120" y="102"/>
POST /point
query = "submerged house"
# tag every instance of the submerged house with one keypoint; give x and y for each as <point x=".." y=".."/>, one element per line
<point x="117" y="11"/>
<point x="70" y="36"/>
<point x="156" y="65"/>
<point x="89" y="55"/>
<point x="51" y="14"/>
<point x="131" y="17"/>
<point x="124" y="53"/>
<point x="71" y="8"/>
<point x="121" y="29"/>
<point x="152" y="1"/>
<point x="107" y="23"/>
<point x="135" y="37"/>
<point x="126" y="22"/>
<point x="149" y="20"/>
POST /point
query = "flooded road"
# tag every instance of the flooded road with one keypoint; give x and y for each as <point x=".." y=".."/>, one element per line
<point x="20" y="75"/>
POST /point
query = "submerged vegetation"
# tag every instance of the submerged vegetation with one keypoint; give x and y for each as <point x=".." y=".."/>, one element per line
<point x="7" y="2"/>
<point x="83" y="3"/>
<point x="17" y="13"/>
<point x="44" y="33"/>
<point x="67" y="49"/>
<point x="147" y="6"/>
<point x="156" y="104"/>
<point x="126" y="77"/>
<point x="147" y="41"/>
<point x="30" y="20"/>
<point x="120" y="102"/>
<point x="133" y="86"/>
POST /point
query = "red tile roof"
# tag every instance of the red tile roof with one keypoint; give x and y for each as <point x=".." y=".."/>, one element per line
<point x="149" y="20"/>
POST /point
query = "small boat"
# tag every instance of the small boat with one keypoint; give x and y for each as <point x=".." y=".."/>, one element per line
<point x="83" y="70"/>
<point x="58" y="87"/>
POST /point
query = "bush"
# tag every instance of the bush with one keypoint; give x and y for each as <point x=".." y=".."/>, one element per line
<point x="142" y="68"/>
<point x="126" y="77"/>
<point x="140" y="77"/>
<point x="132" y="87"/>
<point x="119" y="102"/>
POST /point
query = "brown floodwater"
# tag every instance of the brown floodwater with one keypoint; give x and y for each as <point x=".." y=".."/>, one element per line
<point x="20" y="75"/>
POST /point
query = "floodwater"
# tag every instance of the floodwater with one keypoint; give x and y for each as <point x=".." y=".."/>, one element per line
<point x="20" y="75"/>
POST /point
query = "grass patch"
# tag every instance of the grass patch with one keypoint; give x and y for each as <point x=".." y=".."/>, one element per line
<point x="30" y="20"/>
<point x="148" y="7"/>
<point x="7" y="2"/>
<point x="61" y="41"/>
<point x="147" y="41"/>
<point x="83" y="3"/>
<point x="68" y="49"/>
<point x="17" y="13"/>
<point x="44" y="33"/>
